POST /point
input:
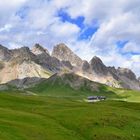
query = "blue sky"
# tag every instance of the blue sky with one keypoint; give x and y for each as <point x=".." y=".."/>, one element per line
<point x="108" y="29"/>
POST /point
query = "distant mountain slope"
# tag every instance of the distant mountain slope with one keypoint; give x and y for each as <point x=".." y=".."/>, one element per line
<point x="95" y="70"/>
<point x="37" y="62"/>
<point x="63" y="53"/>
<point x="5" y="54"/>
<point x="121" y="78"/>
<point x="20" y="63"/>
<point x="38" y="49"/>
<point x="72" y="85"/>
<point x="23" y="62"/>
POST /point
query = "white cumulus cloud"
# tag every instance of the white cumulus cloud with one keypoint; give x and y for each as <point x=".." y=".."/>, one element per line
<point x="25" y="22"/>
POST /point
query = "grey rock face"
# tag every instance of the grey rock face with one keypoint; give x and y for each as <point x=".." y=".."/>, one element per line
<point x="112" y="69"/>
<point x="98" y="66"/>
<point x="67" y="64"/>
<point x="38" y="49"/>
<point x="85" y="66"/>
<point x="49" y="62"/>
<point x="74" y="81"/>
<point x="127" y="73"/>
<point x="1" y="65"/>
<point x="5" y="54"/>
<point x="54" y="64"/>
<point x="23" y="54"/>
<point x="43" y="58"/>
<point x="113" y="72"/>
<point x="3" y="87"/>
<point x="23" y="62"/>
<point x="139" y="79"/>
<point x="26" y="82"/>
<point x="63" y="53"/>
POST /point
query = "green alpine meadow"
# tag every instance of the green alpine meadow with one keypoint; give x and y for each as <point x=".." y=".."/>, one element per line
<point x="69" y="70"/>
<point x="57" y="112"/>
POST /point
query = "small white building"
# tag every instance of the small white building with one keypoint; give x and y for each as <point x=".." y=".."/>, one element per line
<point x="95" y="98"/>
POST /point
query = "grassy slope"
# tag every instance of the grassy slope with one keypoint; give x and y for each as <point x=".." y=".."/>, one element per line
<point x="52" y="118"/>
<point x="58" y="88"/>
<point x="128" y="95"/>
<point x="49" y="118"/>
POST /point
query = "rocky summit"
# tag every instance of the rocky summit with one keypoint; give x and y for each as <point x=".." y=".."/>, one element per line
<point x="38" y="49"/>
<point x="98" y="67"/>
<point x="63" y="53"/>
<point x="5" y="54"/>
<point x="139" y="79"/>
<point x="24" y="65"/>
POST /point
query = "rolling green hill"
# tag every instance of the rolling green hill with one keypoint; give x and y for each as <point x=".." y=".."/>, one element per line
<point x="71" y="85"/>
<point x="66" y="86"/>
<point x="49" y="118"/>
<point x="55" y="110"/>
<point x="127" y="95"/>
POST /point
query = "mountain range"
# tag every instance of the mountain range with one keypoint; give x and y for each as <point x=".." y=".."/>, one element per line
<point x="25" y="67"/>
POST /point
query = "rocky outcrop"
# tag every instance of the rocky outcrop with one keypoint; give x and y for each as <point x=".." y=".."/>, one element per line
<point x="86" y="67"/>
<point x="5" y="53"/>
<point x="22" y="70"/>
<point x="22" y="54"/>
<point x="22" y="63"/>
<point x="96" y="70"/>
<point x="112" y="69"/>
<point x="67" y="64"/>
<point x="48" y="61"/>
<point x="127" y="73"/>
<point x="74" y="81"/>
<point x="25" y="82"/>
<point x="38" y="49"/>
<point x="128" y="78"/>
<point x="97" y="66"/>
<point x="63" y="53"/>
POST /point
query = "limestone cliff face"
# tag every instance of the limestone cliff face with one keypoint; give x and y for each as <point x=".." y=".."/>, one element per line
<point x="97" y="66"/>
<point x="38" y="49"/>
<point x="20" y="63"/>
<point x="49" y="62"/>
<point x="5" y="54"/>
<point x="127" y="73"/>
<point x="96" y="70"/>
<point x="22" y="70"/>
<point x="86" y="66"/>
<point x="22" y="54"/>
<point x="74" y="81"/>
<point x="128" y="78"/>
<point x="139" y="79"/>
<point x="37" y="63"/>
<point x="63" y="53"/>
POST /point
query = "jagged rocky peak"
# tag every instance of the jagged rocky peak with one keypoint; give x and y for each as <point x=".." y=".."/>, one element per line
<point x="98" y="66"/>
<point x="67" y="64"/>
<point x="5" y="53"/>
<point x="38" y="49"/>
<point x="139" y="79"/>
<point x="127" y="73"/>
<point x="112" y="69"/>
<point x="73" y="80"/>
<point x="85" y="66"/>
<point x="96" y="59"/>
<point x="23" y="53"/>
<point x="63" y="53"/>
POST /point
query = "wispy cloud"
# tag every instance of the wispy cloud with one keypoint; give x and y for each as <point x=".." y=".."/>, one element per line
<point x="108" y="29"/>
